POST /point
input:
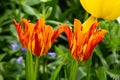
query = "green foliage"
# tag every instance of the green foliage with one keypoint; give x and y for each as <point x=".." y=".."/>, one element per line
<point x="1" y="77"/>
<point x="2" y="56"/>
<point x="29" y="10"/>
<point x="57" y="71"/>
<point x="105" y="61"/>
<point x="12" y="70"/>
<point x="113" y="36"/>
<point x="101" y="73"/>
<point x="115" y="74"/>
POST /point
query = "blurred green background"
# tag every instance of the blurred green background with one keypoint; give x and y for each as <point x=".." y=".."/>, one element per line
<point x="105" y="59"/>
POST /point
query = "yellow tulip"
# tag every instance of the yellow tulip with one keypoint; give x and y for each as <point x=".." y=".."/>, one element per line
<point x="106" y="9"/>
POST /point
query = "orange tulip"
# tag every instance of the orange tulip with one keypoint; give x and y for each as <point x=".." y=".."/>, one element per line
<point x="82" y="42"/>
<point x="38" y="38"/>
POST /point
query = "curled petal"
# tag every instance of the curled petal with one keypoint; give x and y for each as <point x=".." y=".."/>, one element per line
<point x="56" y="33"/>
<point x="68" y="32"/>
<point x="20" y="32"/>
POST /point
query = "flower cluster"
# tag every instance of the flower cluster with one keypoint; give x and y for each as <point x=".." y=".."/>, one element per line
<point x="39" y="37"/>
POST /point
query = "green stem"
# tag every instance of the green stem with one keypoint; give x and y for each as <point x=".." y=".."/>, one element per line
<point x="44" y="68"/>
<point x="36" y="67"/>
<point x="20" y="6"/>
<point x="73" y="71"/>
<point x="65" y="74"/>
<point x="29" y="66"/>
<point x="88" y="68"/>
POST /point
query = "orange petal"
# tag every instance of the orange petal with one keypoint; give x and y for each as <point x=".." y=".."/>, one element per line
<point x="68" y="32"/>
<point x="28" y="31"/>
<point x="91" y="45"/>
<point x="96" y="38"/>
<point x="56" y="33"/>
<point x="91" y="31"/>
<point x="77" y="26"/>
<point x="37" y="49"/>
<point x="20" y="32"/>
<point x="79" y="35"/>
<point x="47" y="38"/>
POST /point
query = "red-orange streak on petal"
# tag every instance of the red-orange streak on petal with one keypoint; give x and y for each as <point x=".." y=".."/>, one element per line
<point x="91" y="31"/>
<point x="20" y="32"/>
<point x="77" y="47"/>
<point x="38" y="48"/>
<point x="28" y="26"/>
<point x="25" y="33"/>
<point x="68" y="33"/>
<point x="43" y="38"/>
<point x="79" y="35"/>
<point x="56" y="33"/>
<point x="28" y="31"/>
<point x="97" y="37"/>
<point x="91" y="46"/>
<point x="48" y="36"/>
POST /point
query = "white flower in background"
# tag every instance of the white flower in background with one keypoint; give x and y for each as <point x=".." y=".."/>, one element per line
<point x="118" y="19"/>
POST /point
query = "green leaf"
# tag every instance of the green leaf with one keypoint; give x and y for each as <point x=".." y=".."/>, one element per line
<point x="30" y="74"/>
<point x="101" y="73"/>
<point x="1" y="57"/>
<point x="80" y="73"/>
<point x="73" y="70"/>
<point x="29" y="10"/>
<point x="53" y="22"/>
<point x="61" y="50"/>
<point x="99" y="54"/>
<point x="48" y="12"/>
<point x="115" y="74"/>
<point x="1" y="77"/>
<point x="32" y="2"/>
<point x="55" y="74"/>
<point x="88" y="67"/>
<point x="113" y="59"/>
<point x="45" y="0"/>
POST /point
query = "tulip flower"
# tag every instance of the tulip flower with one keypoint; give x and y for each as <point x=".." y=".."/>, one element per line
<point x="82" y="41"/>
<point x="106" y="9"/>
<point x="38" y="38"/>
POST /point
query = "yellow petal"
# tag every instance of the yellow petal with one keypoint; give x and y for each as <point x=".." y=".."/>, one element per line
<point x="88" y="23"/>
<point x="106" y="9"/>
<point x="114" y="10"/>
<point x="92" y="6"/>
<point x="84" y="4"/>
